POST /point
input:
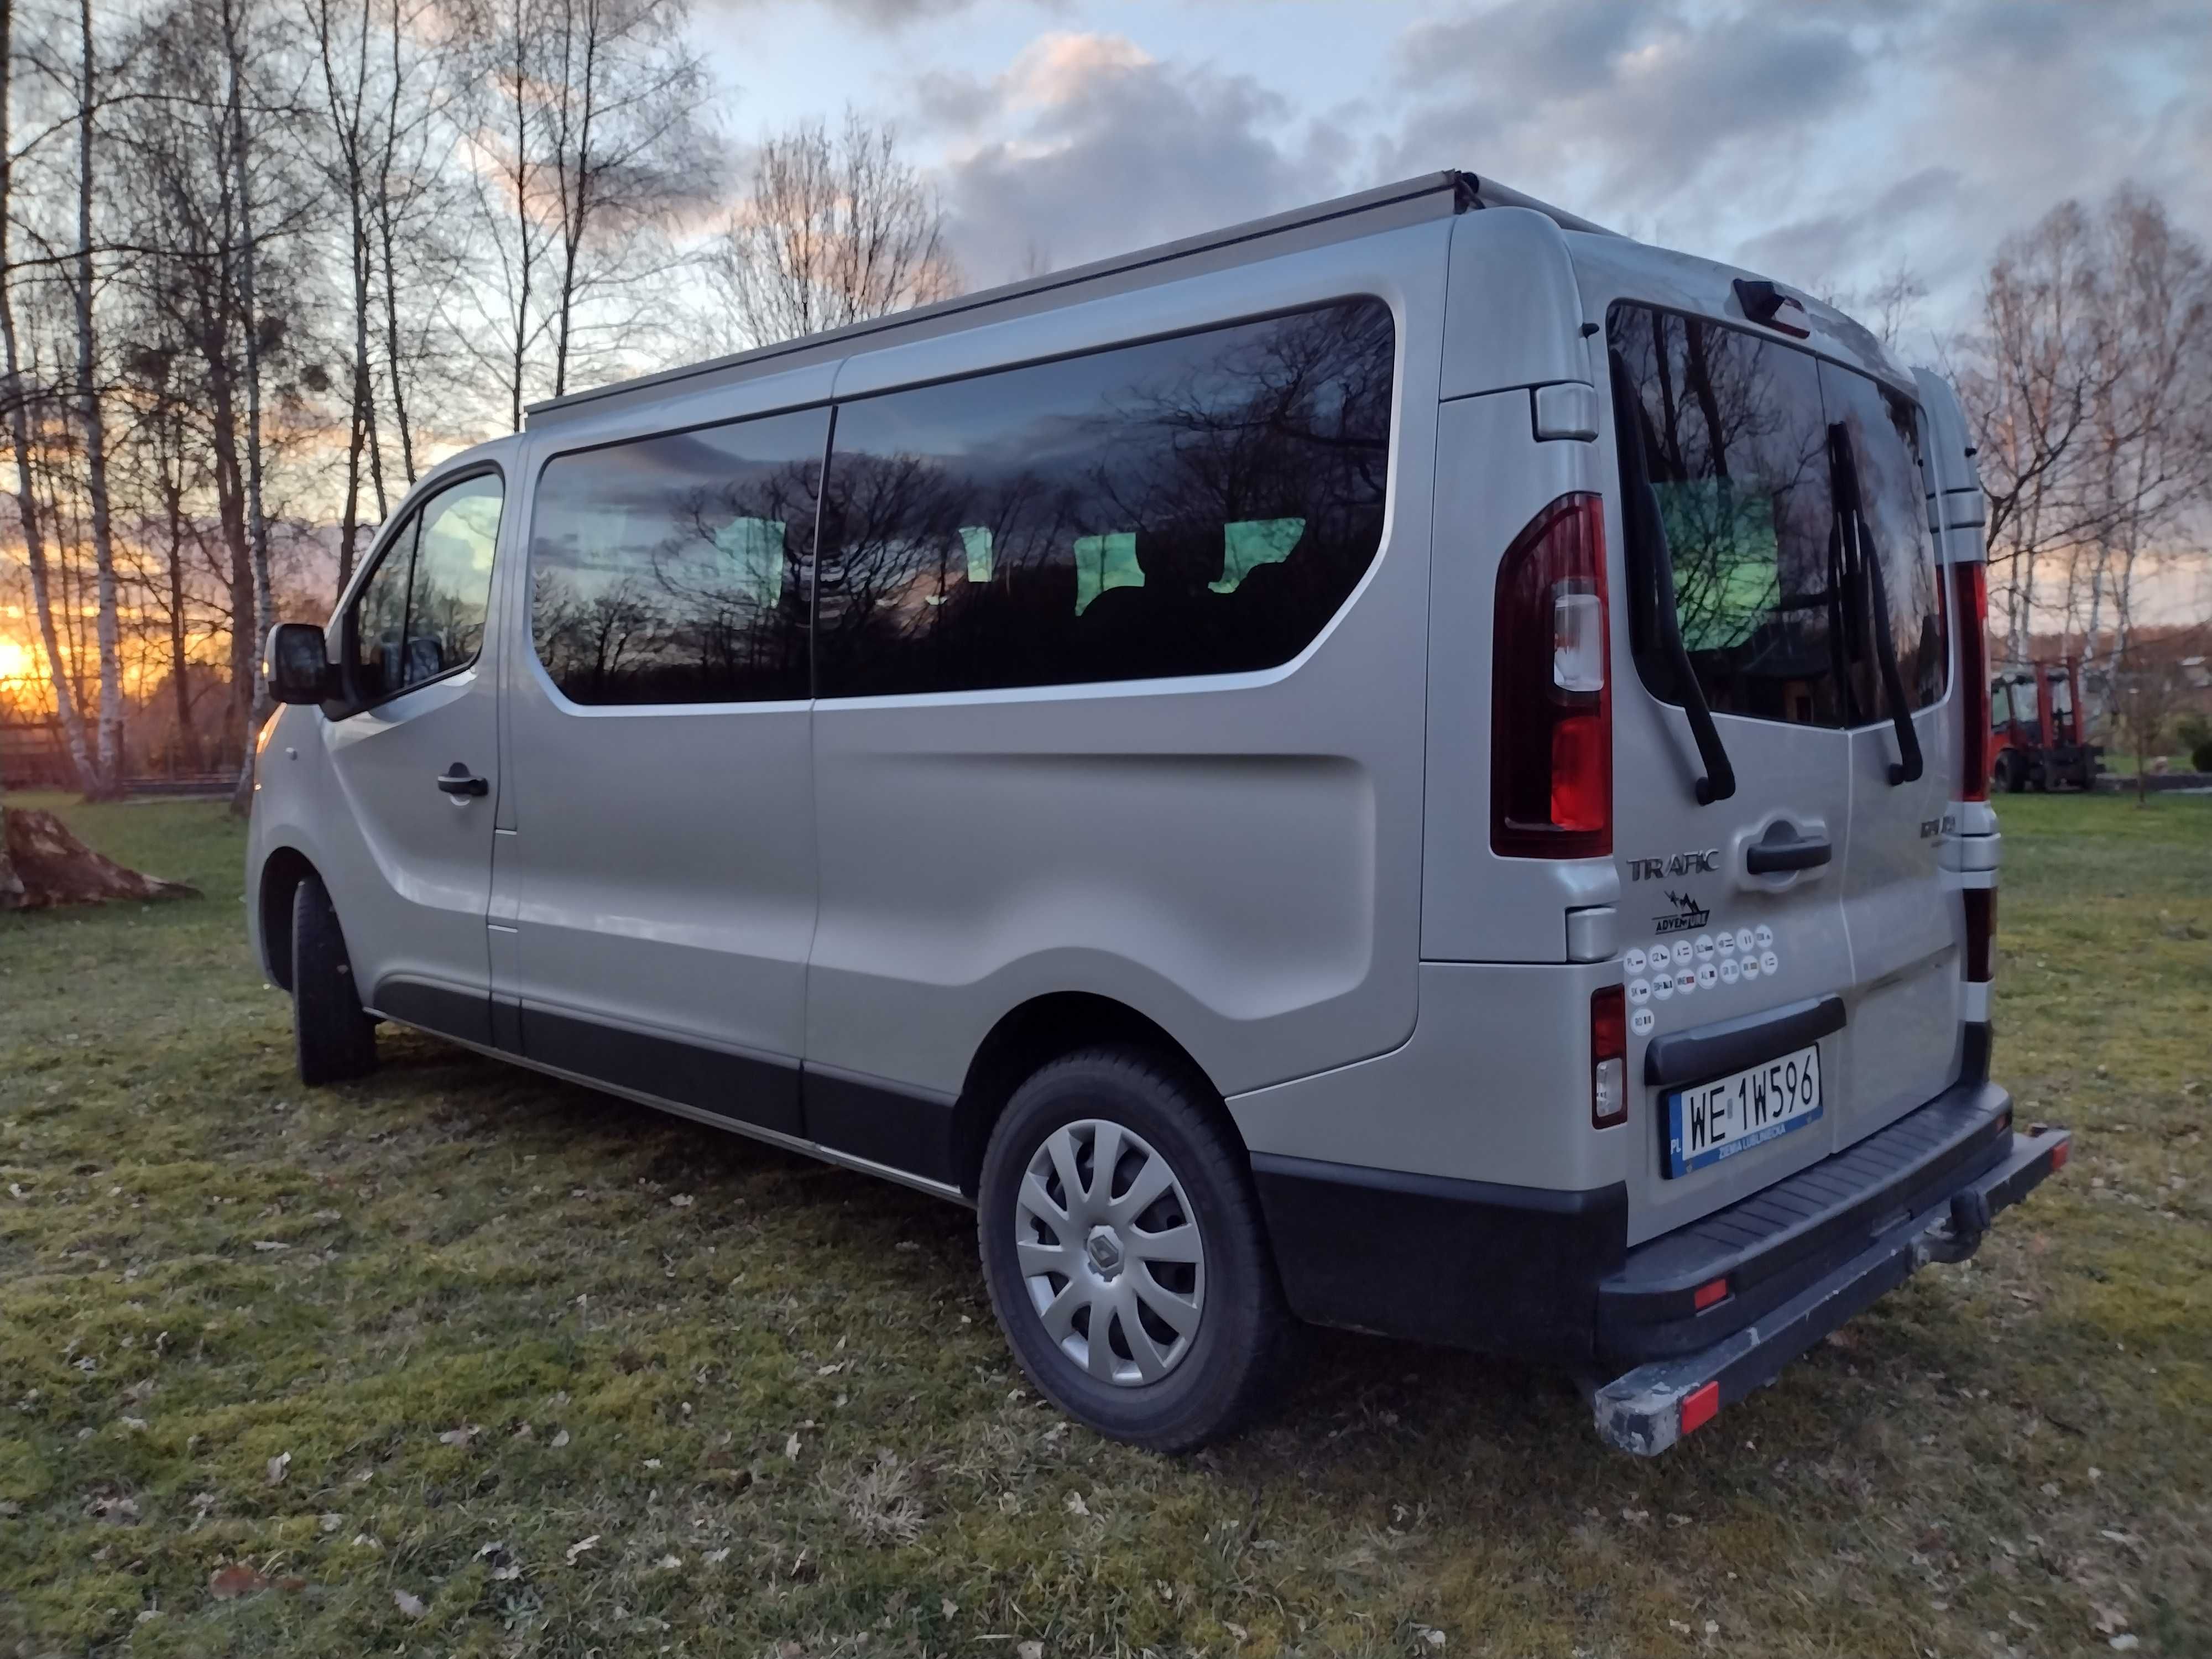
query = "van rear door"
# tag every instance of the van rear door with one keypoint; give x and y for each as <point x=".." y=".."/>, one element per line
<point x="1902" y="1045"/>
<point x="1782" y="908"/>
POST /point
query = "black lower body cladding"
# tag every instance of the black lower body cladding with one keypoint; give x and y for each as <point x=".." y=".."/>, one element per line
<point x="1467" y="1264"/>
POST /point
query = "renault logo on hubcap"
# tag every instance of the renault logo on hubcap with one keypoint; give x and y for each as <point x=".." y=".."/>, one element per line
<point x="1105" y="1252"/>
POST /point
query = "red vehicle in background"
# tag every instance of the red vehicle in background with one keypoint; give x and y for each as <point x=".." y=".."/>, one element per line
<point x="2035" y="728"/>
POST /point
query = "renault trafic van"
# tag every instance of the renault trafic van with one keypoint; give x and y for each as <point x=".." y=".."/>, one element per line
<point x="1414" y="765"/>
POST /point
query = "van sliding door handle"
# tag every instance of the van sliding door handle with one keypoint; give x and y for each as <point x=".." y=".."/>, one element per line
<point x="457" y="781"/>
<point x="1781" y="850"/>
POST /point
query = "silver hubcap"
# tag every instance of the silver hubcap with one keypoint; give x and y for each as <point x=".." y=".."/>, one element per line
<point x="1110" y="1249"/>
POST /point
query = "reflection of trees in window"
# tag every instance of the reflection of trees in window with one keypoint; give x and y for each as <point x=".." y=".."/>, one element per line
<point x="452" y="584"/>
<point x="1197" y="505"/>
<point x="1736" y="453"/>
<point x="1884" y="429"/>
<point x="673" y="569"/>
<point x="421" y="613"/>
<point x="1736" y="438"/>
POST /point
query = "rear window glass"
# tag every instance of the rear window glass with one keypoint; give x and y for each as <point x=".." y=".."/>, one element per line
<point x="1740" y="439"/>
<point x="1198" y="505"/>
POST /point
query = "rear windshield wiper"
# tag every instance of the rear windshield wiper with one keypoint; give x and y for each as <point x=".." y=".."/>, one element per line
<point x="1640" y="503"/>
<point x="1851" y="510"/>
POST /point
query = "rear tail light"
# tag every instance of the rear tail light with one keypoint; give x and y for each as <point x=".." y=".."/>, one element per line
<point x="1970" y="591"/>
<point x="1608" y="1056"/>
<point x="1550" y="707"/>
<point x="1711" y="1293"/>
<point x="1981" y="932"/>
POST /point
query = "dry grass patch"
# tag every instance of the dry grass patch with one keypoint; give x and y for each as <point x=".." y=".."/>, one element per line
<point x="460" y="1361"/>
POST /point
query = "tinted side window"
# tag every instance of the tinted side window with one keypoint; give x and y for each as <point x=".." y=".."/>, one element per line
<point x="1193" y="506"/>
<point x="421" y="613"/>
<point x="379" y="623"/>
<point x="674" y="568"/>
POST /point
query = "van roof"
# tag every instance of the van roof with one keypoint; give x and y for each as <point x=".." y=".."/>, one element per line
<point x="1411" y="201"/>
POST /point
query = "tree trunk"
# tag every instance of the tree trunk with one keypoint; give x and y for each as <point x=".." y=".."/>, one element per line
<point x="96" y="438"/>
<point x="179" y="663"/>
<point x="257" y="521"/>
<point x="230" y="510"/>
<point x="18" y="433"/>
<point x="382" y="197"/>
<point x="520" y="358"/>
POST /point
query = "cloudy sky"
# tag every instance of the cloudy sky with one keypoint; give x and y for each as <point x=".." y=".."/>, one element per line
<point x="1824" y="141"/>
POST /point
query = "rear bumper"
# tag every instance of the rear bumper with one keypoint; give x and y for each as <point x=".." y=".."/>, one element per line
<point x="1648" y="1408"/>
<point x="1546" y="1274"/>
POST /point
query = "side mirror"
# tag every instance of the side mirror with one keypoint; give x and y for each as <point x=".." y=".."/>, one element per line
<point x="299" y="665"/>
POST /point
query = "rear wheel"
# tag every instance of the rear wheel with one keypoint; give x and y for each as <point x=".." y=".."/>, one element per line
<point x="335" y="1040"/>
<point x="1122" y="1245"/>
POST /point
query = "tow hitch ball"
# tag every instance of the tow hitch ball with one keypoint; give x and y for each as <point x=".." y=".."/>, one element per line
<point x="1959" y="1236"/>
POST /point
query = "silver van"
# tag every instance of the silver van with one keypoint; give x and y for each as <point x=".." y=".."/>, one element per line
<point x="1413" y="765"/>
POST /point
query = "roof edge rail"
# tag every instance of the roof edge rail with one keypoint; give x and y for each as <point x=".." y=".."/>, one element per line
<point x="1430" y="194"/>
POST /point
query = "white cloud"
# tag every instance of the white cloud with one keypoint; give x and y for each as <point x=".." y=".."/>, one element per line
<point x="1086" y="145"/>
<point x="1060" y="67"/>
<point x="1826" y="144"/>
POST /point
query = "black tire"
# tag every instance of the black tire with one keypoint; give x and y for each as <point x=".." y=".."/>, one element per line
<point x="1240" y="1349"/>
<point x="334" y="1039"/>
<point x="2013" y="775"/>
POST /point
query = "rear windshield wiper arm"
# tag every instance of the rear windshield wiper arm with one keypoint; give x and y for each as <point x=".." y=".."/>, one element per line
<point x="1851" y="509"/>
<point x="1641" y="500"/>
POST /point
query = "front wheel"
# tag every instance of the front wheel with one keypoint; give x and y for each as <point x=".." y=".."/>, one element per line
<point x="1125" y="1255"/>
<point x="334" y="1038"/>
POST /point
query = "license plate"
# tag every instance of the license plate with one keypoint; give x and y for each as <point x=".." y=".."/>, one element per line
<point x="1734" y="1114"/>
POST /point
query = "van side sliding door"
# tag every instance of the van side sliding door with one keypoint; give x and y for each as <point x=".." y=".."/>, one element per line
<point x="658" y="876"/>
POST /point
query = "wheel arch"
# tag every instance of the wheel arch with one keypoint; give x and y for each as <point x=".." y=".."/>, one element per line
<point x="1041" y="1031"/>
<point x="281" y="872"/>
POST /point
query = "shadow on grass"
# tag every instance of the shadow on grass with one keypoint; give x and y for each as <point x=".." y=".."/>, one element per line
<point x="1345" y="1388"/>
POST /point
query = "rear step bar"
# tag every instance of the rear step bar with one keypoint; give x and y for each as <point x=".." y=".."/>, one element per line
<point x="1649" y="1408"/>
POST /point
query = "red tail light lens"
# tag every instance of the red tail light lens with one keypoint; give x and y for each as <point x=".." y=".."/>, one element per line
<point x="1981" y="932"/>
<point x="1551" y="703"/>
<point x="1970" y="591"/>
<point x="1608" y="1056"/>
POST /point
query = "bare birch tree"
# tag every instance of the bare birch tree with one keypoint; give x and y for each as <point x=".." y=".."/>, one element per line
<point x="622" y="91"/>
<point x="235" y="48"/>
<point x="412" y="200"/>
<point x="830" y="230"/>
<point x="589" y="145"/>
<point x="21" y="398"/>
<point x="2153" y="432"/>
<point x="92" y="422"/>
<point x="2027" y="375"/>
<point x="2088" y="379"/>
<point x="342" y="50"/>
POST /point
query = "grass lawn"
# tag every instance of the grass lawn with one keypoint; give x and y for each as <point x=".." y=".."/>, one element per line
<point x="462" y="1361"/>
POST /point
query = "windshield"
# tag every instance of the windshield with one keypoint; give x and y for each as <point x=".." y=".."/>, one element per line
<point x="1776" y="622"/>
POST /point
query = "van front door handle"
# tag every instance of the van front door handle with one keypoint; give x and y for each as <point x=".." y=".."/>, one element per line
<point x="458" y="781"/>
<point x="1782" y="850"/>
